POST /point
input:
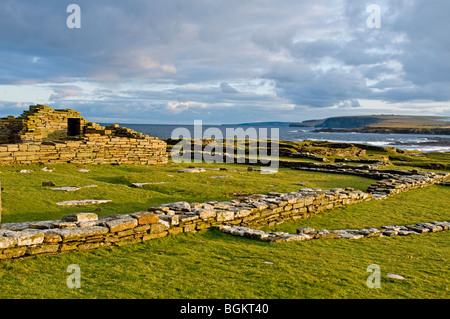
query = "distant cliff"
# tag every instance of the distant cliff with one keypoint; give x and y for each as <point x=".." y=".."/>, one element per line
<point x="340" y="122"/>
<point x="401" y="124"/>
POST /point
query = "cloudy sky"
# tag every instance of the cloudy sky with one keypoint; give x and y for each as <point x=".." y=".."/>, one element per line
<point x="230" y="61"/>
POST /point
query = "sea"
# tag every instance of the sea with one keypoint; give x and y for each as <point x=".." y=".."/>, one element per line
<point x="421" y="142"/>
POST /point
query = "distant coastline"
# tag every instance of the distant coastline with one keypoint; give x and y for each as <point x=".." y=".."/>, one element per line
<point x="388" y="130"/>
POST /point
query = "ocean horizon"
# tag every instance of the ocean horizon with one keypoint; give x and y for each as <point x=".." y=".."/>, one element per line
<point x="419" y="142"/>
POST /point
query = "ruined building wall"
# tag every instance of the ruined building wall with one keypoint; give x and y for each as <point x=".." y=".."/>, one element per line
<point x="41" y="122"/>
<point x="44" y="135"/>
<point x="9" y="130"/>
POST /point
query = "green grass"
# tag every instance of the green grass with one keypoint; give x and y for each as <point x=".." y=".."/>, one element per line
<point x="25" y="199"/>
<point x="210" y="264"/>
<point x="214" y="265"/>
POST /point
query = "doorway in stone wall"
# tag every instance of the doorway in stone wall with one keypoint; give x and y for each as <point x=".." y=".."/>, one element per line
<point x="73" y="126"/>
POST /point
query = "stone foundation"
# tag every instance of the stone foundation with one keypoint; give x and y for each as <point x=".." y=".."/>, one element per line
<point x="308" y="233"/>
<point x="87" y="150"/>
<point x="85" y="231"/>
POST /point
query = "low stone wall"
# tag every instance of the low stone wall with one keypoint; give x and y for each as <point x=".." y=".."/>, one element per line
<point x="87" y="150"/>
<point x="308" y="233"/>
<point x="86" y="231"/>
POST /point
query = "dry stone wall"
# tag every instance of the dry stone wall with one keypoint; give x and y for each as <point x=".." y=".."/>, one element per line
<point x="308" y="233"/>
<point x="85" y="231"/>
<point x="44" y="135"/>
<point x="87" y="150"/>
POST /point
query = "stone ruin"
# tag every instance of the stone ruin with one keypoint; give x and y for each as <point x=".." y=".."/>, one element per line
<point x="46" y="135"/>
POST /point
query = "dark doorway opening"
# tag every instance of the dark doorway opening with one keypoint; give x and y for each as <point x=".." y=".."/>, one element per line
<point x="73" y="126"/>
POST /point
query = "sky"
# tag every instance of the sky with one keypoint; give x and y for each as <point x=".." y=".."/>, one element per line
<point x="176" y="61"/>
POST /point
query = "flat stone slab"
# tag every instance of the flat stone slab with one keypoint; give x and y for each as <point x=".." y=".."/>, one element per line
<point x="394" y="276"/>
<point x="139" y="184"/>
<point x="143" y="184"/>
<point x="191" y="170"/>
<point x="26" y="237"/>
<point x="83" y="202"/>
<point x="71" y="188"/>
<point x="80" y="217"/>
<point x="117" y="225"/>
<point x="79" y="232"/>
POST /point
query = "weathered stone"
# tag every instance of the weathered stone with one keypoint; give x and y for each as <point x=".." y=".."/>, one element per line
<point x="390" y="233"/>
<point x="51" y="237"/>
<point x="48" y="183"/>
<point x="70" y="234"/>
<point x="175" y="230"/>
<point x="146" y="218"/>
<point x="66" y="188"/>
<point x="153" y="236"/>
<point x="306" y="230"/>
<point x="394" y="276"/>
<point x="142" y="228"/>
<point x="179" y="206"/>
<point x="27" y="237"/>
<point x="348" y="235"/>
<point x="61" y="224"/>
<point x="83" y="202"/>
<point x="43" y="249"/>
<point x="117" y="225"/>
<point x="189" y="228"/>
<point x="88" y="246"/>
<point x="7" y="242"/>
<point x="173" y="220"/>
<point x="224" y="216"/>
<point x="87" y="223"/>
<point x="14" y="252"/>
<point x="191" y="170"/>
<point x="205" y="213"/>
<point x="159" y="227"/>
<point x="42" y="225"/>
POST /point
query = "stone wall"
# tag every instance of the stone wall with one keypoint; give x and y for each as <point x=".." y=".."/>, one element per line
<point x="10" y="129"/>
<point x="88" y="150"/>
<point x="41" y="122"/>
<point x="44" y="135"/>
<point x="86" y="231"/>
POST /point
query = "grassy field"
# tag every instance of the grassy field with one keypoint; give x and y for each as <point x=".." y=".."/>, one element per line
<point x="25" y="199"/>
<point x="210" y="264"/>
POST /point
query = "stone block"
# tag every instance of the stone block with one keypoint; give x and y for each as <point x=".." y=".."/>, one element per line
<point x="80" y="217"/>
<point x="43" y="249"/>
<point x="145" y="218"/>
<point x="224" y="216"/>
<point x="158" y="228"/>
<point x="14" y="252"/>
<point x="27" y="237"/>
<point x="6" y="242"/>
<point x="153" y="236"/>
<point x="71" y="234"/>
<point x="205" y="213"/>
<point x="117" y="225"/>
